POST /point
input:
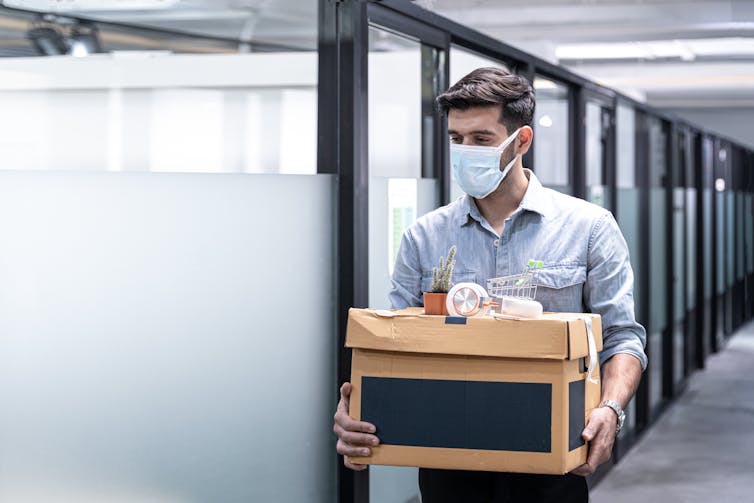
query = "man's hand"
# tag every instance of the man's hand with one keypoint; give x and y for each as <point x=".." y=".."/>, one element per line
<point x="600" y="432"/>
<point x="353" y="435"/>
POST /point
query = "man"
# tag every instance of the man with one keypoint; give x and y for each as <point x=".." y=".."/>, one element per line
<point x="506" y="218"/>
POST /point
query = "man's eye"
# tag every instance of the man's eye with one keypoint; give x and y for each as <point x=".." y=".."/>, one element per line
<point x="456" y="140"/>
<point x="481" y="140"/>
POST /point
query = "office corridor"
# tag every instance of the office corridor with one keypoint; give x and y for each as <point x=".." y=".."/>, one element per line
<point x="702" y="448"/>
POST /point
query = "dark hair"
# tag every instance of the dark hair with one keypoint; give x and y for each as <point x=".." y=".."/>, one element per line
<point x="489" y="87"/>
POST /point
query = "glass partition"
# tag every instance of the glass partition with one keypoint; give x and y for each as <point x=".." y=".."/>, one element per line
<point x="692" y="254"/>
<point x="628" y="205"/>
<point x="678" y="263"/>
<point x="708" y="241"/>
<point x="161" y="102"/>
<point x="658" y="243"/>
<point x="148" y="350"/>
<point x="597" y="128"/>
<point x="397" y="193"/>
<point x="551" y="130"/>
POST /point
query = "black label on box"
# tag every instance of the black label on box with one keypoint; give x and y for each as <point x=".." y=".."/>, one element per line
<point x="505" y="416"/>
<point x="576" y="423"/>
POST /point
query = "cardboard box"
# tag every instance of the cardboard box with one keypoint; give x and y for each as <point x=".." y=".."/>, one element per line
<point x="474" y="393"/>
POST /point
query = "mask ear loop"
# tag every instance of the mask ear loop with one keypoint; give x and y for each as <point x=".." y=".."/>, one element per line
<point x="503" y="146"/>
<point x="508" y="141"/>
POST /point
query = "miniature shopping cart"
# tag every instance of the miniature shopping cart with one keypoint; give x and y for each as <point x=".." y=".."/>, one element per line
<point x="515" y="294"/>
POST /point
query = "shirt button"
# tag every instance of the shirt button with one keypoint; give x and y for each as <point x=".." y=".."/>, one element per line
<point x="496" y="243"/>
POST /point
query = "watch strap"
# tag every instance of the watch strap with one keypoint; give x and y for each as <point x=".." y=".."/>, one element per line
<point x="621" y="416"/>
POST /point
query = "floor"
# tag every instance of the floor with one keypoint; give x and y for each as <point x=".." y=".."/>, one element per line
<point x="702" y="447"/>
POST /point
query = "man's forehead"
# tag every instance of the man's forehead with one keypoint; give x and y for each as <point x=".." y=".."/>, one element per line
<point x="475" y="120"/>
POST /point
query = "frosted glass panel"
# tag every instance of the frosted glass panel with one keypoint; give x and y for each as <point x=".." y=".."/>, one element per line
<point x="679" y="254"/>
<point x="691" y="251"/>
<point x="628" y="220"/>
<point x="730" y="247"/>
<point x="720" y="241"/>
<point x="148" y="351"/>
<point x="252" y="113"/>
<point x="708" y="241"/>
<point x="657" y="261"/>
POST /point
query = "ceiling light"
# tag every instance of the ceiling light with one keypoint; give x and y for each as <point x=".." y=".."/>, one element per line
<point x="545" y="121"/>
<point x="83" y="40"/>
<point x="79" y="5"/>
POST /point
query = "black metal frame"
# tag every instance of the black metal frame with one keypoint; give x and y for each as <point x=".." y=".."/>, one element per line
<point x="343" y="150"/>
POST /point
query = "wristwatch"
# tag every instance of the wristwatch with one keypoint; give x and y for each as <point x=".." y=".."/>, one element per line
<point x="618" y="411"/>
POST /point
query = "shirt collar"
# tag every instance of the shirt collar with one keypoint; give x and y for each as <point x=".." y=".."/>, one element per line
<point x="535" y="199"/>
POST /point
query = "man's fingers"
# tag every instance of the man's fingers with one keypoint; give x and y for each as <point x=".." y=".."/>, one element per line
<point x="583" y="470"/>
<point x="346" y="449"/>
<point x="347" y="423"/>
<point x="352" y="466"/>
<point x="355" y="438"/>
<point x="345" y="391"/>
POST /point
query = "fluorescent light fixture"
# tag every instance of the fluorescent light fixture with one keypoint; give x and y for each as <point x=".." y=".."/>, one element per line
<point x="620" y="50"/>
<point x="685" y="50"/>
<point x="80" y="5"/>
<point x="540" y="83"/>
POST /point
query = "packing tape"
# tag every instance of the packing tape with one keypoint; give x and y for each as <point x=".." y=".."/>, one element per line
<point x="592" y="350"/>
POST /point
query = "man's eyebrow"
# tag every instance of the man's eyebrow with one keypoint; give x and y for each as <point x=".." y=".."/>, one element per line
<point x="478" y="131"/>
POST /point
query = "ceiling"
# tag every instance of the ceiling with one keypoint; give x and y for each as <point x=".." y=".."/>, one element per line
<point x="670" y="53"/>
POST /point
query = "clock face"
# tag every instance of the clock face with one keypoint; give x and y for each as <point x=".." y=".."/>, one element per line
<point x="466" y="301"/>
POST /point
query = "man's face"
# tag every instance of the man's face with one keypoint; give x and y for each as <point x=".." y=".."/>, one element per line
<point x="479" y="126"/>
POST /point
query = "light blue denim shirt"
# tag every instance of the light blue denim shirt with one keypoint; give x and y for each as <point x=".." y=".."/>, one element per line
<point x="587" y="268"/>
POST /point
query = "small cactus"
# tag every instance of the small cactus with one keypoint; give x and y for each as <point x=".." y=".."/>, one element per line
<point x="441" y="277"/>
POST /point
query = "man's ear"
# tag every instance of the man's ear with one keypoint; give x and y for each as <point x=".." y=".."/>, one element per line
<point x="525" y="137"/>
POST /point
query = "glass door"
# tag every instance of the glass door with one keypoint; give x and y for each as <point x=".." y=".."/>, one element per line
<point x="407" y="144"/>
<point x="599" y="165"/>
<point x="552" y="132"/>
<point x="658" y="338"/>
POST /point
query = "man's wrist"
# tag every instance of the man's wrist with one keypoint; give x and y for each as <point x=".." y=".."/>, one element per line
<point x="619" y="413"/>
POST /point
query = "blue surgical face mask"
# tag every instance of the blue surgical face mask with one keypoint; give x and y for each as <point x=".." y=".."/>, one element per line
<point x="477" y="168"/>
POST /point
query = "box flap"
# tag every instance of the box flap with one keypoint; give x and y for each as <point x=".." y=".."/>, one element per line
<point x="554" y="336"/>
<point x="578" y="343"/>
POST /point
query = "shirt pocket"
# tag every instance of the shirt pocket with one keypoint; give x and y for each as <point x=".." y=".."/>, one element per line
<point x="560" y="288"/>
<point x="458" y="277"/>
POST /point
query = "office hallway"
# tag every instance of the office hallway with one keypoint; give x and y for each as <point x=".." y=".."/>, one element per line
<point x="702" y="447"/>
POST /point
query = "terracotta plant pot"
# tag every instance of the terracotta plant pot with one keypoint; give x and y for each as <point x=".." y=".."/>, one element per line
<point x="434" y="303"/>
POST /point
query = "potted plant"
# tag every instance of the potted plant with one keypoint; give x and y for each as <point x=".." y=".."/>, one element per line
<point x="434" y="300"/>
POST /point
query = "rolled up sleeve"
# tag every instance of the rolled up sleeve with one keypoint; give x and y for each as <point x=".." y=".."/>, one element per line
<point x="609" y="291"/>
